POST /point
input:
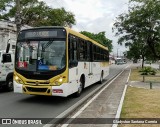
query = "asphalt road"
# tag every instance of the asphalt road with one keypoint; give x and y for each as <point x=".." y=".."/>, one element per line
<point x="29" y="106"/>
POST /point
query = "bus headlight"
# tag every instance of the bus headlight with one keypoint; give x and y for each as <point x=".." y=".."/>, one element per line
<point x="17" y="79"/>
<point x="58" y="81"/>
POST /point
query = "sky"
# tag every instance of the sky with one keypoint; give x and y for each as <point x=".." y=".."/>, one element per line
<point x="94" y="16"/>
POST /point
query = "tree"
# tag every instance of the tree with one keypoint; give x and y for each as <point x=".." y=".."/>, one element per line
<point x="139" y="51"/>
<point x="35" y="13"/>
<point x="100" y="37"/>
<point x="3" y="6"/>
<point x="141" y="24"/>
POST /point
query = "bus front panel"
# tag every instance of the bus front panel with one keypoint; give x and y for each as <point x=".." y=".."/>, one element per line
<point x="41" y="61"/>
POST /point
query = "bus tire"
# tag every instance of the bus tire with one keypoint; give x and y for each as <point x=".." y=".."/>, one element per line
<point x="80" y="88"/>
<point x="9" y="84"/>
<point x="101" y="78"/>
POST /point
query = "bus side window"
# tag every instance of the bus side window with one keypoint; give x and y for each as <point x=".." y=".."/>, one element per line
<point x="72" y="51"/>
<point x="82" y="50"/>
<point x="94" y="53"/>
<point x="89" y="51"/>
<point x="107" y="56"/>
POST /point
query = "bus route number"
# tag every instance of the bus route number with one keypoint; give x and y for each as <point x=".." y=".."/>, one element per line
<point x="22" y="64"/>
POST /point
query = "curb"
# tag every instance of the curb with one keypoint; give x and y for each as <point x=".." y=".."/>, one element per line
<point x="121" y="101"/>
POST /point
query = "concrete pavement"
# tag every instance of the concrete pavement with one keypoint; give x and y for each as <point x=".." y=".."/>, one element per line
<point x="106" y="104"/>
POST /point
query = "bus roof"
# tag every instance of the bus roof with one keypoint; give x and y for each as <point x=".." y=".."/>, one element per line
<point x="85" y="37"/>
<point x="72" y="32"/>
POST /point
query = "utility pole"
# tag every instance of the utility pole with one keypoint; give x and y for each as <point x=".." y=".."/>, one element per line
<point x="117" y="52"/>
<point x="18" y="17"/>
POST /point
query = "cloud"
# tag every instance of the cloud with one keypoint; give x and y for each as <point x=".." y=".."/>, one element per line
<point x="85" y="9"/>
<point x="94" y="15"/>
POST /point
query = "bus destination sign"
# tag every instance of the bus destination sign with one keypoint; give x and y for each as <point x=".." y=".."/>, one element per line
<point x="43" y="34"/>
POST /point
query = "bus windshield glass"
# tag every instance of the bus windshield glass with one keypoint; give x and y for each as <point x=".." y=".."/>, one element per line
<point x="41" y="56"/>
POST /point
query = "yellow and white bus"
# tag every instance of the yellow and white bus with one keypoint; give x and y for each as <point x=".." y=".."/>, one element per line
<point x="57" y="61"/>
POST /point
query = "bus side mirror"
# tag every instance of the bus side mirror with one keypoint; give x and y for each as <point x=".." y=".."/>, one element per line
<point x="73" y="63"/>
<point x="6" y="58"/>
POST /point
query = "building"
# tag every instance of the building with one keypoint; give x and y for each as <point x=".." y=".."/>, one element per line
<point x="7" y="35"/>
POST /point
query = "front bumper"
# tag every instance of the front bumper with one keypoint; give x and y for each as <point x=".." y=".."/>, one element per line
<point x="61" y="90"/>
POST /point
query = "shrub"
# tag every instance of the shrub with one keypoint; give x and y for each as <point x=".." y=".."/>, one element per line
<point x="147" y="71"/>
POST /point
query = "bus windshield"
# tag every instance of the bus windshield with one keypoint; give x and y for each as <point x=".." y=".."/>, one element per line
<point x="40" y="55"/>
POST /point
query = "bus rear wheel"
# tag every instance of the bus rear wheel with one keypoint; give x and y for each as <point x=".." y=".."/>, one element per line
<point x="101" y="78"/>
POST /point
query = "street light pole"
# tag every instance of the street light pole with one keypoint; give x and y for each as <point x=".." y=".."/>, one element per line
<point x="117" y="52"/>
<point x="18" y="17"/>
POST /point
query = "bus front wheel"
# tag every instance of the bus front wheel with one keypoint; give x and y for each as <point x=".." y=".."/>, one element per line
<point x="9" y="84"/>
<point x="80" y="88"/>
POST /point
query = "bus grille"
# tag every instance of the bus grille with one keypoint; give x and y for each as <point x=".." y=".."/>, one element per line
<point x="36" y="89"/>
<point x="41" y="83"/>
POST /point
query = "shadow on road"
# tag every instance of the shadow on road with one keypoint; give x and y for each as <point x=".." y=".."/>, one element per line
<point x="44" y="100"/>
<point x="3" y="90"/>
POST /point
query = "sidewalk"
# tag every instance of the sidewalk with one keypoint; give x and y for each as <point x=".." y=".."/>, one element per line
<point x="106" y="104"/>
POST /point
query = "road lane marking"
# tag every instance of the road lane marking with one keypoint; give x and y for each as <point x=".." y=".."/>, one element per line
<point x="128" y="76"/>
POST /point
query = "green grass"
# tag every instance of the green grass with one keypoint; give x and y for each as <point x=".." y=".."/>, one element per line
<point x="141" y="103"/>
<point x="135" y="75"/>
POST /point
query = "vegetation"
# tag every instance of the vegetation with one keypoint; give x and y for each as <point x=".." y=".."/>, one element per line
<point x="136" y="76"/>
<point x="101" y="38"/>
<point x="141" y="103"/>
<point x="139" y="29"/>
<point x="139" y="51"/>
<point x="147" y="71"/>
<point x="36" y="13"/>
<point x="135" y="103"/>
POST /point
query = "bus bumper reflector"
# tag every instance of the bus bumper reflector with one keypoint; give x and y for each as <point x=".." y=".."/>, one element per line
<point x="57" y="91"/>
